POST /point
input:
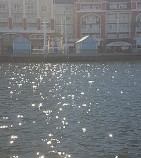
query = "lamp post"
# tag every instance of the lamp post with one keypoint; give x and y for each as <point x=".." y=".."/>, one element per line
<point x="61" y="35"/>
<point x="65" y="45"/>
<point x="45" y="47"/>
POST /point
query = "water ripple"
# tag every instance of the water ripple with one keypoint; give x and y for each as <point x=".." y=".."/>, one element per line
<point x="70" y="110"/>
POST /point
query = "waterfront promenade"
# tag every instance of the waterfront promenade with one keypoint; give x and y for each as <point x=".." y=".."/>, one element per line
<point x="69" y="57"/>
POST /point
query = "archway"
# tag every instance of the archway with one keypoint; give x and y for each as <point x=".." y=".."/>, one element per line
<point x="138" y="26"/>
<point x="11" y="43"/>
<point x="91" y="25"/>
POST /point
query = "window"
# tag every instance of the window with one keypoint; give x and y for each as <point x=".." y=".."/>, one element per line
<point x="122" y="6"/>
<point x="125" y="35"/>
<point x="2" y="7"/>
<point x="112" y="18"/>
<point x="85" y="6"/>
<point x="111" y="27"/>
<point x="30" y="9"/>
<point x="124" y="18"/>
<point x="44" y="8"/>
<point x="111" y="36"/>
<point x="113" y="6"/>
<point x="3" y="17"/>
<point x="17" y="18"/>
<point x="139" y="5"/>
<point x="96" y="7"/>
<point x="68" y="20"/>
<point x="16" y="7"/>
<point x="123" y="27"/>
<point x="118" y="6"/>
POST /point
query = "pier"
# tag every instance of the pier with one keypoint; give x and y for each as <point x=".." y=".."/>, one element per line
<point x="69" y="57"/>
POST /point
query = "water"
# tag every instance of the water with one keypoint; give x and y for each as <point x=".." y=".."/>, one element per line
<point x="72" y="110"/>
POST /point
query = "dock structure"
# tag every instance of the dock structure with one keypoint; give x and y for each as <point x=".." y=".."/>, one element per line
<point x="70" y="58"/>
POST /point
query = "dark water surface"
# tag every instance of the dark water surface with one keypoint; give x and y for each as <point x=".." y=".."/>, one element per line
<point x="89" y="110"/>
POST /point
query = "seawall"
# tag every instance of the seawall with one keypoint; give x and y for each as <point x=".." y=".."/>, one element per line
<point x="69" y="58"/>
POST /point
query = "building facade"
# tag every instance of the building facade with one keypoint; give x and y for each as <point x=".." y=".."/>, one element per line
<point x="25" y="18"/>
<point x="105" y="20"/>
<point x="109" y="20"/>
<point x="64" y="20"/>
<point x="26" y="15"/>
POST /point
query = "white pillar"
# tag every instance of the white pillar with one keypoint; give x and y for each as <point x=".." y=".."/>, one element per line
<point x="65" y="46"/>
<point x="65" y="31"/>
<point x="51" y="3"/>
<point x="9" y="8"/>
<point x="117" y="23"/>
<point x="62" y="34"/>
<point x="38" y="8"/>
<point x="62" y="27"/>
<point x="24" y="15"/>
<point x="45" y="36"/>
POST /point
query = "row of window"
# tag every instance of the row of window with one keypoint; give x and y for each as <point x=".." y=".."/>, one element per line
<point x="17" y="8"/>
<point x="109" y="36"/>
<point x="90" y="6"/>
<point x="114" y="6"/>
<point x="114" y="35"/>
<point x="119" y="28"/>
<point x="111" y="6"/>
<point x="121" y="18"/>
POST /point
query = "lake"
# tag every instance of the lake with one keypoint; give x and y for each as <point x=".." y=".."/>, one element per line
<point x="70" y="110"/>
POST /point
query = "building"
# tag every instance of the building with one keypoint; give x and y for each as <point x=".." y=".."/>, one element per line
<point x="64" y="20"/>
<point x="109" y="20"/>
<point x="24" y="18"/>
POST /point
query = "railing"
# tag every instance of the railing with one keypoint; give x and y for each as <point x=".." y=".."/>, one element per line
<point x="89" y="9"/>
<point x="90" y="30"/>
<point x="21" y="30"/>
<point x="111" y="30"/>
<point x="37" y="51"/>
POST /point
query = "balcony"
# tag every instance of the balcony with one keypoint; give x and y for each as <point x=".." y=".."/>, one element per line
<point x="21" y="30"/>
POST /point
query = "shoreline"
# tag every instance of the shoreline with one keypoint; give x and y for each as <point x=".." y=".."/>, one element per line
<point x="69" y="57"/>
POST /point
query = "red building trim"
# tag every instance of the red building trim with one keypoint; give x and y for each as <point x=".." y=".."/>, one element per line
<point x="10" y="23"/>
<point x="38" y="24"/>
<point x="52" y="24"/>
<point x="133" y="5"/>
<point x="79" y="25"/>
<point x="103" y="5"/>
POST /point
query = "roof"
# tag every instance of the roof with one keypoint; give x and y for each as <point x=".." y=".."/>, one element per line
<point x="118" y="44"/>
<point x="82" y="39"/>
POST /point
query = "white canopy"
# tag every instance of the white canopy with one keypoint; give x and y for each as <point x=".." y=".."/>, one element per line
<point x="119" y="44"/>
<point x="82" y="39"/>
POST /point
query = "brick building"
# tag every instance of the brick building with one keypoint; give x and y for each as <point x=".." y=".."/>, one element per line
<point x="105" y="20"/>
<point x="109" y="20"/>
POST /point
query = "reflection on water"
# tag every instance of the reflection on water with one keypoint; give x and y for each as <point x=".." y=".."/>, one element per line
<point x="70" y="110"/>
